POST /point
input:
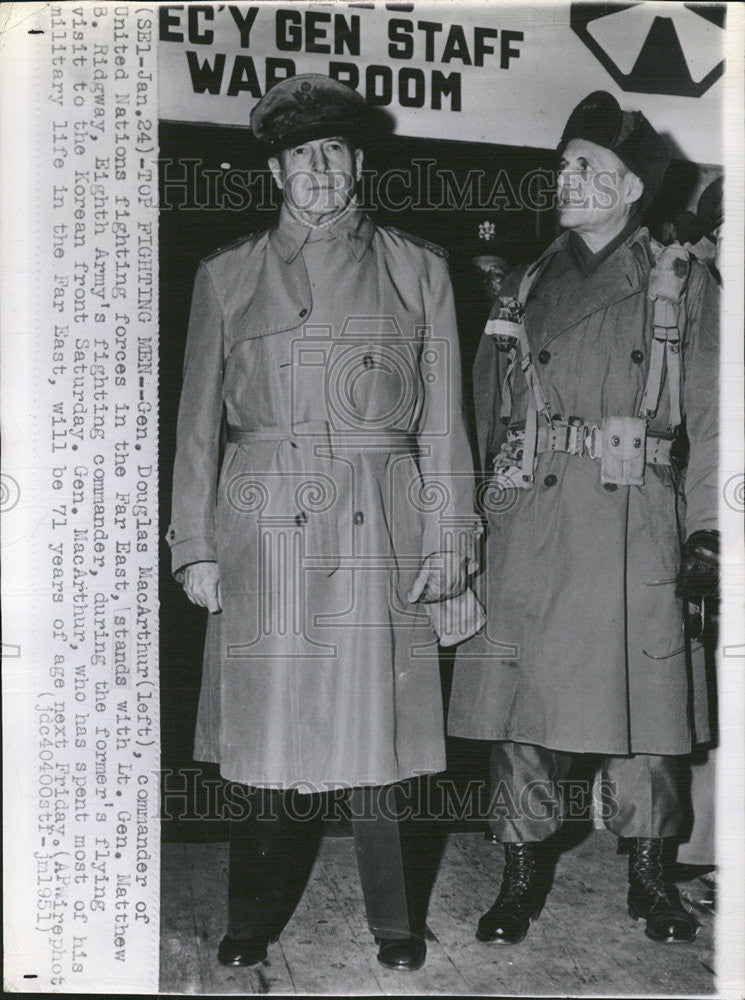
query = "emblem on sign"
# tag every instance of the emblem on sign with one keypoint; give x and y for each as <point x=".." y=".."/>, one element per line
<point x="653" y="48"/>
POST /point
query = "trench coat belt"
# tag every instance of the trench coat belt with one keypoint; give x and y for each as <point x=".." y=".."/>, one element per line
<point x="310" y="431"/>
<point x="321" y="522"/>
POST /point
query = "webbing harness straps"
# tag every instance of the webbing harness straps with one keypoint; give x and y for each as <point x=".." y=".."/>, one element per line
<point x="668" y="280"/>
<point x="509" y="333"/>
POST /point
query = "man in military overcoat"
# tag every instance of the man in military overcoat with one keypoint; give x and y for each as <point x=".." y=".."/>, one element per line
<point x="325" y="349"/>
<point x="592" y="363"/>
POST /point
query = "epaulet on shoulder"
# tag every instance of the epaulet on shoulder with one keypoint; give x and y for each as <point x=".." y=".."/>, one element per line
<point x="233" y="245"/>
<point x="419" y="242"/>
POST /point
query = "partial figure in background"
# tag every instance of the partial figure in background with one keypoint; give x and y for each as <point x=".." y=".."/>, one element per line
<point x="683" y="229"/>
<point x="486" y="259"/>
<point x="492" y="260"/>
<point x="592" y="359"/>
<point x="698" y="852"/>
<point x="343" y="509"/>
<point x="710" y="218"/>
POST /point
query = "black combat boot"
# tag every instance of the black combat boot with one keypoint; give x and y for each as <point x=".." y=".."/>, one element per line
<point x="525" y="884"/>
<point x="653" y="897"/>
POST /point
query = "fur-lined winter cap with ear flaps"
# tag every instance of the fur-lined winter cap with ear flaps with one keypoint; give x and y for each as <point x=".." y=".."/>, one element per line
<point x="599" y="119"/>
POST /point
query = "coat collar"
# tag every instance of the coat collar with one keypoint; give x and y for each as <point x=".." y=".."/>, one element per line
<point x="589" y="261"/>
<point x="291" y="233"/>
<point x="623" y="273"/>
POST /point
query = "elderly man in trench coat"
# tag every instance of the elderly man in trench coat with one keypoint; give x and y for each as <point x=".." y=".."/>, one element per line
<point x="326" y="349"/>
<point x="585" y="374"/>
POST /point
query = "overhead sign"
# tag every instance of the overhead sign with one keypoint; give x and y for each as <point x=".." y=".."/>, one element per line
<point x="507" y="73"/>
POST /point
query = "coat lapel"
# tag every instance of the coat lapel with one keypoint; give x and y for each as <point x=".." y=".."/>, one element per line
<point x="283" y="298"/>
<point x="623" y="274"/>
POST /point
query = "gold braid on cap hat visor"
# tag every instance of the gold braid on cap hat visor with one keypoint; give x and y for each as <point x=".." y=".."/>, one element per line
<point x="285" y="122"/>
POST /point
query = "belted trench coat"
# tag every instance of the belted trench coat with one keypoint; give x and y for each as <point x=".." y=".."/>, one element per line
<point x="584" y="645"/>
<point x="331" y="356"/>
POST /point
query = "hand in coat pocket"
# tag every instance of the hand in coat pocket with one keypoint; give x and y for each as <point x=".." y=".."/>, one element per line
<point x="201" y="583"/>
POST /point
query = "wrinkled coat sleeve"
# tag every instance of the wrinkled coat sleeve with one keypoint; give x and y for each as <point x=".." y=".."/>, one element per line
<point x="701" y="400"/>
<point x="191" y="534"/>
<point x="446" y="464"/>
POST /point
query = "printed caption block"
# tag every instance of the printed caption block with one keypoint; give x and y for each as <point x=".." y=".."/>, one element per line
<point x="80" y="543"/>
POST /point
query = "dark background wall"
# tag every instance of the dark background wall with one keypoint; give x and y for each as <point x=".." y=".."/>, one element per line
<point x="202" y="209"/>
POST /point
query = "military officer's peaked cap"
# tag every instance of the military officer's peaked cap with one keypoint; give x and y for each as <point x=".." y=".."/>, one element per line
<point x="309" y="106"/>
<point x="599" y="119"/>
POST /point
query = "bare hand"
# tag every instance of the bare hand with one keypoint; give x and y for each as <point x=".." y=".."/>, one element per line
<point x="201" y="583"/>
<point x="443" y="575"/>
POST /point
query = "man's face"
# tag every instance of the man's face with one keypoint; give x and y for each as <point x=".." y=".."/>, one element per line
<point x="319" y="176"/>
<point x="492" y="271"/>
<point x="595" y="189"/>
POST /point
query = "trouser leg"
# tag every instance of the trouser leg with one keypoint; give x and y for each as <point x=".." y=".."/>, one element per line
<point x="699" y="848"/>
<point x="526" y="803"/>
<point x="380" y="860"/>
<point x="271" y="850"/>
<point x="640" y="795"/>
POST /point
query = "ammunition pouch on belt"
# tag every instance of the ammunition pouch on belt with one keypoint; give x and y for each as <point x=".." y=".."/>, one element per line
<point x="622" y="445"/>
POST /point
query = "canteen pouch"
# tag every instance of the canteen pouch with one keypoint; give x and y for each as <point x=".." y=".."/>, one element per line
<point x="623" y="450"/>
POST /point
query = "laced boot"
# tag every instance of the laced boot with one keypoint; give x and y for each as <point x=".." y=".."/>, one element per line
<point x="521" y="895"/>
<point x="653" y="897"/>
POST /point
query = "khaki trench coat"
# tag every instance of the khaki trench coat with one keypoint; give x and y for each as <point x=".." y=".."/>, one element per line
<point x="335" y="361"/>
<point x="584" y="647"/>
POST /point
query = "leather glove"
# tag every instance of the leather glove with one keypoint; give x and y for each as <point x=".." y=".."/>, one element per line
<point x="698" y="576"/>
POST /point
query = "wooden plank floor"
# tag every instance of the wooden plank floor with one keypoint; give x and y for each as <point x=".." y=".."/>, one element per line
<point x="584" y="942"/>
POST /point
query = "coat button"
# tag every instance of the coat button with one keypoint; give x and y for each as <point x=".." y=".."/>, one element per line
<point x="359" y="518"/>
<point x="610" y="487"/>
<point x="302" y="313"/>
<point x="544" y="357"/>
<point x="171" y="533"/>
<point x="301" y="518"/>
<point x="368" y="361"/>
<point x="550" y="480"/>
<point x="637" y="357"/>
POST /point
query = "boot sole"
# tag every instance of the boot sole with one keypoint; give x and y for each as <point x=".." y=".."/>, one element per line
<point x="636" y="915"/>
<point x="500" y="940"/>
<point x="504" y="941"/>
<point x="402" y="968"/>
